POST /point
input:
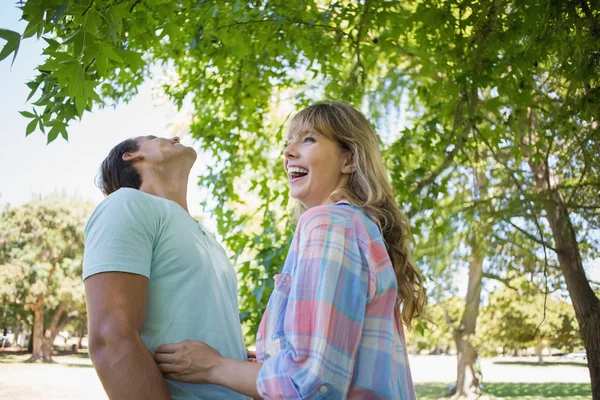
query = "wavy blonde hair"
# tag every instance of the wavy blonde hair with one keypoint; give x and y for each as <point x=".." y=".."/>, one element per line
<point x="368" y="187"/>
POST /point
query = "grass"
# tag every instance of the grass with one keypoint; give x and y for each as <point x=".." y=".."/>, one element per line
<point x="529" y="391"/>
<point x="82" y="365"/>
<point x="68" y="359"/>
<point x="535" y="364"/>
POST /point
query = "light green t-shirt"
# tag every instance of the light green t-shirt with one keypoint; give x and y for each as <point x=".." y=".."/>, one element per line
<point x="192" y="286"/>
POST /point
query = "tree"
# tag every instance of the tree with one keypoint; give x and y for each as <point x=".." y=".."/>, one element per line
<point x="43" y="244"/>
<point x="489" y="81"/>
<point x="520" y="317"/>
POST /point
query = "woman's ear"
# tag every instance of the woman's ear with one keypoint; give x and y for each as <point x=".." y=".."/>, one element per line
<point x="348" y="166"/>
<point x="131" y="157"/>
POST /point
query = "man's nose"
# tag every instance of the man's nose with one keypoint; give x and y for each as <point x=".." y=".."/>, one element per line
<point x="175" y="139"/>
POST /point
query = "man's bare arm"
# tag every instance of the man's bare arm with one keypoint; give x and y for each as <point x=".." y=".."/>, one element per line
<point x="116" y="303"/>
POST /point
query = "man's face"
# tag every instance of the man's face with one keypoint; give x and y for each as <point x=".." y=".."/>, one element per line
<point x="155" y="150"/>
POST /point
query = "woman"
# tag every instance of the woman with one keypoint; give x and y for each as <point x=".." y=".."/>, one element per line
<point x="333" y="324"/>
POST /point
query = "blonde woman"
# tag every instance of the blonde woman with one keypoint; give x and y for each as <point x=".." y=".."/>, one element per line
<point x="333" y="325"/>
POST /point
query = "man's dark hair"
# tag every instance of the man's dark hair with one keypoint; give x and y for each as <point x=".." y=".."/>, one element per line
<point x="115" y="172"/>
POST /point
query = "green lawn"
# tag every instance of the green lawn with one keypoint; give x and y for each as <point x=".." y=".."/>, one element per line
<point x="529" y="391"/>
<point x="31" y="380"/>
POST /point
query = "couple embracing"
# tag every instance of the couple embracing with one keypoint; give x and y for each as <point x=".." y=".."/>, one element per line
<point x="162" y="294"/>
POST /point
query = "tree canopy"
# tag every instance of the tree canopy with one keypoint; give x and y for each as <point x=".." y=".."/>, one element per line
<point x="487" y="113"/>
<point x="41" y="255"/>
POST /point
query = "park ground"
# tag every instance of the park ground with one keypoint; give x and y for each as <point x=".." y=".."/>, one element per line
<point x="72" y="377"/>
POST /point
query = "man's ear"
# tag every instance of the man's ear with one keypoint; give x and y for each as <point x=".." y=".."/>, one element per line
<point x="348" y="166"/>
<point x="131" y="157"/>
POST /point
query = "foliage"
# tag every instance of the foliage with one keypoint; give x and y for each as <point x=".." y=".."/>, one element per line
<point x="437" y="336"/>
<point x="41" y="253"/>
<point x="515" y="318"/>
<point x="486" y="88"/>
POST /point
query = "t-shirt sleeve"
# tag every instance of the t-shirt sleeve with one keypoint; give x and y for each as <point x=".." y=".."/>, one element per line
<point x="119" y="236"/>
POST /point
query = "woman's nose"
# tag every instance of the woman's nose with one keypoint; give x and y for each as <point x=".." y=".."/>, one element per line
<point x="289" y="152"/>
<point x="175" y="139"/>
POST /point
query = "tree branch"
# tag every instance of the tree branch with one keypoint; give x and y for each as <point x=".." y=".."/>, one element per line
<point x="531" y="237"/>
<point x="296" y="22"/>
<point x="450" y="156"/>
<point x="480" y="39"/>
<point x="88" y="8"/>
<point x="133" y="6"/>
<point x="359" y="36"/>
<point x="495" y="277"/>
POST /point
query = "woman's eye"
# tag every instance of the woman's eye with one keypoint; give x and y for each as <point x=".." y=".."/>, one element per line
<point x="309" y="139"/>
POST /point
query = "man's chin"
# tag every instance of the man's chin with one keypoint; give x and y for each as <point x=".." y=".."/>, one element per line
<point x="192" y="153"/>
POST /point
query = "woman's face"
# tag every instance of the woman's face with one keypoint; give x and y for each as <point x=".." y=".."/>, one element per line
<point x="315" y="166"/>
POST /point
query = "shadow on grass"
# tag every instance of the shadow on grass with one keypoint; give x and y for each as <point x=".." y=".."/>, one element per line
<point x="73" y="365"/>
<point x="432" y="390"/>
<point x="81" y="354"/>
<point x="7" y="357"/>
<point x="541" y="390"/>
<point x="12" y="357"/>
<point x="436" y="390"/>
<point x="545" y="364"/>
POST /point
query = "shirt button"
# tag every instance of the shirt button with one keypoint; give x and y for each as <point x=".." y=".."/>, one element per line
<point x="323" y="389"/>
<point x="258" y="336"/>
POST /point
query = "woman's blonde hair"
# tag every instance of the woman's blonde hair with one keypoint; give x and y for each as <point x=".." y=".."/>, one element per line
<point x="370" y="188"/>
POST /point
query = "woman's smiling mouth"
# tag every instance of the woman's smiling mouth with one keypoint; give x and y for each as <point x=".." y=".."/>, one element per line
<point x="296" y="173"/>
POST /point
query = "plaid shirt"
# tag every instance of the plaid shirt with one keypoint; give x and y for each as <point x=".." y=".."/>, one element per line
<point x="331" y="326"/>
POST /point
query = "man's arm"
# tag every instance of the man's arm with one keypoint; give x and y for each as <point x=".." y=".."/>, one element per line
<point x="116" y="303"/>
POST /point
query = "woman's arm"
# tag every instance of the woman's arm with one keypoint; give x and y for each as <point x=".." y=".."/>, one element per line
<point x="237" y="375"/>
<point x="196" y="362"/>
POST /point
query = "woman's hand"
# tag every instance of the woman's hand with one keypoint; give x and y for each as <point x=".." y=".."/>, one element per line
<point x="188" y="361"/>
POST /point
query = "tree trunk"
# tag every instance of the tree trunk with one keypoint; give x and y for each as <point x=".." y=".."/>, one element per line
<point x="81" y="335"/>
<point x="43" y="341"/>
<point x="539" y="349"/>
<point x="585" y="302"/>
<point x="466" y="352"/>
<point x="17" y="332"/>
<point x="39" y="352"/>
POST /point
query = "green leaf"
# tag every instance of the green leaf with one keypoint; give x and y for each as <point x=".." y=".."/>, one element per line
<point x="52" y="44"/>
<point x="33" y="85"/>
<point x="34" y="25"/>
<point x="59" y="13"/>
<point x="109" y="52"/>
<point x="72" y="37"/>
<point x="53" y="134"/>
<point x="31" y="127"/>
<point x="80" y="103"/>
<point x="13" y="40"/>
<point x="101" y="65"/>
<point x="27" y="114"/>
<point x="89" y="91"/>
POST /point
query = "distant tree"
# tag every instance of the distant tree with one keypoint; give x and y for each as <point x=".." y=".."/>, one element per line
<point x="519" y="317"/>
<point x="41" y="246"/>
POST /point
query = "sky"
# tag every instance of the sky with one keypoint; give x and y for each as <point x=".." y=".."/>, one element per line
<point x="29" y="167"/>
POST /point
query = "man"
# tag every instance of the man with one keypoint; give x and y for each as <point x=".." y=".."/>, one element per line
<point x="153" y="275"/>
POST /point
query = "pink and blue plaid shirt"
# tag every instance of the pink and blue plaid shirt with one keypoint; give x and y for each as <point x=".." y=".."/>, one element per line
<point x="331" y="326"/>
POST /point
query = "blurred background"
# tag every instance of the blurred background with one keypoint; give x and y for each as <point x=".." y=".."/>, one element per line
<point x="487" y="116"/>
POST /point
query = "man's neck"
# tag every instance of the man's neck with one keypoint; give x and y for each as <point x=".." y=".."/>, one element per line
<point x="172" y="186"/>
